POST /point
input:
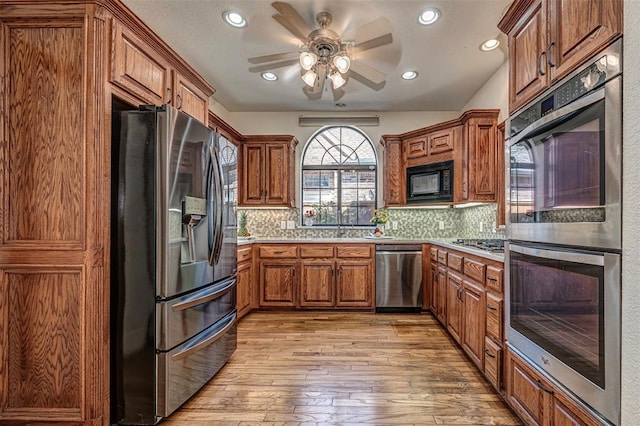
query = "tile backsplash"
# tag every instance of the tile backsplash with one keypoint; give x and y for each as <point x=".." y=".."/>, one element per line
<point x="412" y="223"/>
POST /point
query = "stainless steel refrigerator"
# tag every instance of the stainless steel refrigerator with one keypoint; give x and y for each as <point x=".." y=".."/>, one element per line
<point x="173" y="273"/>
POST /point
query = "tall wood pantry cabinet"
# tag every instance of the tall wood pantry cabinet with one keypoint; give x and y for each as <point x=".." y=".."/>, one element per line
<point x="61" y="73"/>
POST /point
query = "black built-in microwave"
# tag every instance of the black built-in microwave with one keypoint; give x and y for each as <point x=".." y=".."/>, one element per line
<point x="430" y="183"/>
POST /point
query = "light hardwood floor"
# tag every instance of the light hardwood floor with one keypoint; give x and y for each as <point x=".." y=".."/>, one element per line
<point x="348" y="369"/>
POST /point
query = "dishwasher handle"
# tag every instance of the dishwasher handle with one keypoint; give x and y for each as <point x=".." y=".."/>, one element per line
<point x="399" y="252"/>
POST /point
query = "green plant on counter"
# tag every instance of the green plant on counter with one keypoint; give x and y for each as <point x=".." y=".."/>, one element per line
<point x="242" y="225"/>
<point x="380" y="217"/>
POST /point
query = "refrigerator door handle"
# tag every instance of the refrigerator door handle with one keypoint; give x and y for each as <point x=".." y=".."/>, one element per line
<point x="207" y="338"/>
<point x="205" y="295"/>
<point x="219" y="232"/>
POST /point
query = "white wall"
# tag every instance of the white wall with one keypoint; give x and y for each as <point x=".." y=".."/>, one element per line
<point x="630" y="222"/>
<point x="494" y="93"/>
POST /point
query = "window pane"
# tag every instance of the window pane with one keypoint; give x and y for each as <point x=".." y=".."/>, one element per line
<point x="332" y="189"/>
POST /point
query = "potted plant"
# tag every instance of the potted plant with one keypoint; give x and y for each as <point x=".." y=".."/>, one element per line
<point x="309" y="215"/>
<point x="380" y="219"/>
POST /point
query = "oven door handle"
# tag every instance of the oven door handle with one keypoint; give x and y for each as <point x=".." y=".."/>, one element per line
<point x="584" y="258"/>
<point x="559" y="116"/>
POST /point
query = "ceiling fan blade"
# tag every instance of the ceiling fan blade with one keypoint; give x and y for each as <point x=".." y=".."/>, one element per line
<point x="291" y="20"/>
<point x="274" y="65"/>
<point x="368" y="72"/>
<point x="274" y="57"/>
<point x="373" y="43"/>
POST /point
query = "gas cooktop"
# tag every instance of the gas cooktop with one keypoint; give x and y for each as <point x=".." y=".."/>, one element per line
<point x="492" y="245"/>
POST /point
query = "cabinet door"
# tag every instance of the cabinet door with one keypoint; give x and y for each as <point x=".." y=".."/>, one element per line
<point x="494" y="315"/>
<point x="252" y="188"/>
<point x="245" y="279"/>
<point x="276" y="171"/>
<point x="317" y="284"/>
<point x="473" y="298"/>
<point x="433" y="285"/>
<point x="482" y="159"/>
<point x="443" y="141"/>
<point x="524" y="393"/>
<point x="415" y="147"/>
<point x="354" y="284"/>
<point x="527" y="70"/>
<point x="578" y="29"/>
<point x="278" y="284"/>
<point x="454" y="306"/>
<point x="566" y="413"/>
<point x="441" y="295"/>
<point x="189" y="99"/>
<point x="138" y="69"/>
<point x="394" y="191"/>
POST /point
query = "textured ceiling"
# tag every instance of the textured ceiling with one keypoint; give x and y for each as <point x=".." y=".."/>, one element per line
<point x="446" y="55"/>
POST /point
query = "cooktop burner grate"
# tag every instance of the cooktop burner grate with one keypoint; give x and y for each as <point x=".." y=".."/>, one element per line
<point x="492" y="245"/>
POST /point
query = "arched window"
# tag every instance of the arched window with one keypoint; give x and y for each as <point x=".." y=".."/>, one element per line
<point x="339" y="182"/>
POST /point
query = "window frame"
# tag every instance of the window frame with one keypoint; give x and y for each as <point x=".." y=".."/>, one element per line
<point x="339" y="168"/>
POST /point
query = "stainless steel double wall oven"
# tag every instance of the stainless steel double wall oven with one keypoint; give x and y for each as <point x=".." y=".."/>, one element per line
<point x="564" y="231"/>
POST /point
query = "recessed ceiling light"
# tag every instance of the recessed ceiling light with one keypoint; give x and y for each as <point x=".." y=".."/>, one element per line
<point x="234" y="18"/>
<point x="490" y="44"/>
<point x="409" y="75"/>
<point x="428" y="16"/>
<point x="269" y="76"/>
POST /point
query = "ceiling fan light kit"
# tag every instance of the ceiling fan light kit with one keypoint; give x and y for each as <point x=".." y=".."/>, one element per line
<point x="323" y="54"/>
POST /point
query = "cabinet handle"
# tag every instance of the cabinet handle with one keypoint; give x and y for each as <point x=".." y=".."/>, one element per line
<point x="179" y="98"/>
<point x="460" y="294"/>
<point x="170" y="93"/>
<point x="551" y="64"/>
<point x="486" y="351"/>
<point x="278" y="252"/>
<point x="491" y="279"/>
<point x="539" y="62"/>
<point x="541" y="386"/>
<point x="491" y="307"/>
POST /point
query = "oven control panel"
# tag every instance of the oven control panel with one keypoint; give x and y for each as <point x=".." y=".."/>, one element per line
<point x="590" y="78"/>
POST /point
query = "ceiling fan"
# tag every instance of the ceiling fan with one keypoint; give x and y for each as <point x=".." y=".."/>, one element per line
<point x="323" y="54"/>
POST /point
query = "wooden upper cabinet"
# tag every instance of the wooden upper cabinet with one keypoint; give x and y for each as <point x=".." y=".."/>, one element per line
<point x="139" y="69"/>
<point x="550" y="38"/>
<point x="393" y="172"/>
<point x="443" y="140"/>
<point x="416" y="147"/>
<point x="480" y="151"/>
<point x="267" y="170"/>
<point x="189" y="99"/>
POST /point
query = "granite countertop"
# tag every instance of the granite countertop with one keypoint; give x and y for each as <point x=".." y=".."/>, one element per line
<point x="369" y="240"/>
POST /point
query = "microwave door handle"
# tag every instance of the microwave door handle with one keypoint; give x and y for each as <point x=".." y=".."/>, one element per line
<point x="558" y="117"/>
<point x="561" y="255"/>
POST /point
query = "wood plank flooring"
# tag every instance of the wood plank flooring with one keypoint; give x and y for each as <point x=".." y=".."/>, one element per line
<point x="348" y="369"/>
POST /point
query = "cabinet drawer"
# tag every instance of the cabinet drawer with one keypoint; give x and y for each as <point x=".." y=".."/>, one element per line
<point x="354" y="251"/>
<point x="244" y="253"/>
<point x="315" y="251"/>
<point x="494" y="317"/>
<point x="433" y="254"/>
<point x="474" y="270"/>
<point x="278" y="251"/>
<point x="442" y="257"/>
<point x="455" y="262"/>
<point x="493" y="362"/>
<point x="494" y="278"/>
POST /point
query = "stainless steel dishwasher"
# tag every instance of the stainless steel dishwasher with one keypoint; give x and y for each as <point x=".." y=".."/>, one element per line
<point x="398" y="278"/>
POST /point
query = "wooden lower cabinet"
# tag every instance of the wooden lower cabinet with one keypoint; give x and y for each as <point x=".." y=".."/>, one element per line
<point x="354" y="285"/>
<point x="317" y="284"/>
<point x="473" y="299"/>
<point x="245" y="280"/>
<point x="454" y="306"/>
<point x="440" y="295"/>
<point x="278" y="284"/>
<point x="536" y="400"/>
<point x="493" y="362"/>
<point x="330" y="276"/>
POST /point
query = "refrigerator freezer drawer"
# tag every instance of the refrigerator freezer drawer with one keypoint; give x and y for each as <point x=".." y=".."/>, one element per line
<point x="183" y="317"/>
<point x="185" y="369"/>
